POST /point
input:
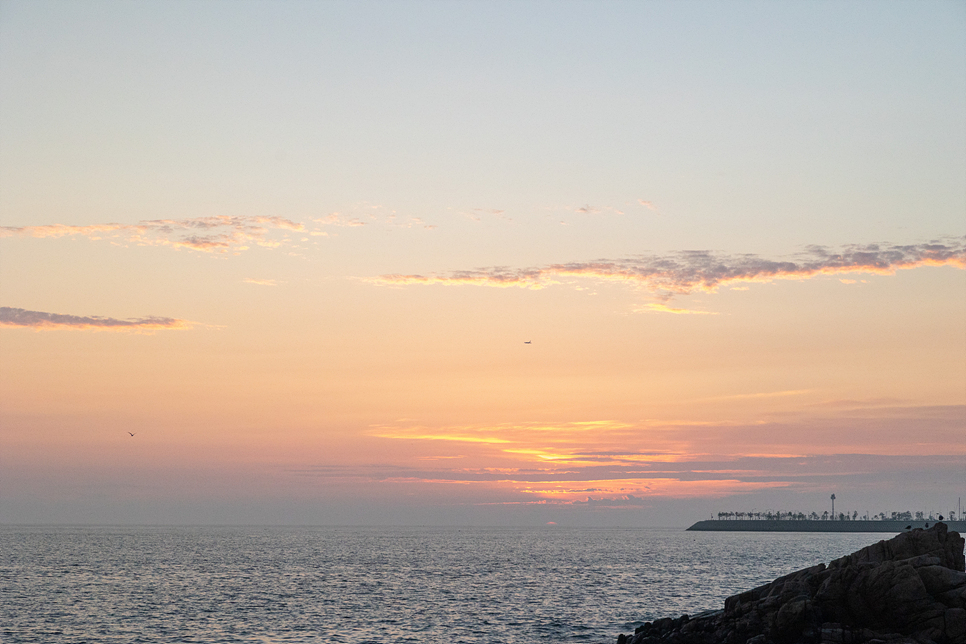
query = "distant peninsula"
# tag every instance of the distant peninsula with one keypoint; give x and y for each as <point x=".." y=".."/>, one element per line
<point x="809" y="525"/>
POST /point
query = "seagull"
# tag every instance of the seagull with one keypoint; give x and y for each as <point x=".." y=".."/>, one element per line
<point x="130" y="433"/>
<point x="527" y="342"/>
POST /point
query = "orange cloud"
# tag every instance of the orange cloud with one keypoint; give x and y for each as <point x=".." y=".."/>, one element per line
<point x="687" y="271"/>
<point x="552" y="446"/>
<point x="599" y="486"/>
<point x="39" y="320"/>
<point x="538" y="455"/>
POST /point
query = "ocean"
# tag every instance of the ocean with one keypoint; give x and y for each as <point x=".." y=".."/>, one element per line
<point x="357" y="585"/>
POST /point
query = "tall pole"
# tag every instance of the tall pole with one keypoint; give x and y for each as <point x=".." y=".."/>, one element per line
<point x="833" y="507"/>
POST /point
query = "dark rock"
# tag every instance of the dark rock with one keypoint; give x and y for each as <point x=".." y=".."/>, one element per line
<point x="955" y="625"/>
<point x="910" y="589"/>
<point x="939" y="579"/>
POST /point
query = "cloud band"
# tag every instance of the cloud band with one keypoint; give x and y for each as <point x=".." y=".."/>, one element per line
<point x="687" y="271"/>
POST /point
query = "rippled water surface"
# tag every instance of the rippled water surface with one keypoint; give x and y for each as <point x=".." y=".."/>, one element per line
<point x="354" y="585"/>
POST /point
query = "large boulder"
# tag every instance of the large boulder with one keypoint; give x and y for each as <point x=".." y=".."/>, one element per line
<point x="910" y="589"/>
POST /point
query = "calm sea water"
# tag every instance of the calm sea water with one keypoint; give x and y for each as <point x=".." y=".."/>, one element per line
<point x="355" y="585"/>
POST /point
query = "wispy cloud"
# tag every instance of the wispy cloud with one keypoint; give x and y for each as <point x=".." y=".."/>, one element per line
<point x="218" y="234"/>
<point x="260" y="282"/>
<point x="650" y="206"/>
<point x="40" y="320"/>
<point x="588" y="209"/>
<point x="476" y="433"/>
<point x="495" y="276"/>
<point x="338" y="219"/>
<point x="657" y="307"/>
<point x="702" y="270"/>
<point x="477" y="214"/>
<point x="764" y="394"/>
<point x="364" y="214"/>
<point x="615" y="493"/>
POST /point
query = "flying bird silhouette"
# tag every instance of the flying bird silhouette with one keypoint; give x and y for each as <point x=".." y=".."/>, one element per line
<point x="527" y="342"/>
<point x="130" y="433"/>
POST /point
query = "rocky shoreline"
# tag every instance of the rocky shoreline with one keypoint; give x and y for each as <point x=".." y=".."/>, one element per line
<point x="910" y="589"/>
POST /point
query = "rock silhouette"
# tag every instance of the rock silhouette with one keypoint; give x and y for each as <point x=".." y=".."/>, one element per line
<point x="910" y="589"/>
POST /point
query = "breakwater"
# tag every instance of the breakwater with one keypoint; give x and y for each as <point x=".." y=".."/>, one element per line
<point x="911" y="588"/>
<point x="793" y="525"/>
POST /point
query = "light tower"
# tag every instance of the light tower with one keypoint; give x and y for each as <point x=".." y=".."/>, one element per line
<point x="833" y="507"/>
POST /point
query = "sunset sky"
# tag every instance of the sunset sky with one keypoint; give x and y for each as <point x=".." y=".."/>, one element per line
<point x="500" y="263"/>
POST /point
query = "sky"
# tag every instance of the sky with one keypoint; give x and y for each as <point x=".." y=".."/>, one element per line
<point x="480" y="263"/>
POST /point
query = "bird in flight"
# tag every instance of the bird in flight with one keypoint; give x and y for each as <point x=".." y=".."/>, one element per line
<point x="131" y="433"/>
<point x="527" y="342"/>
